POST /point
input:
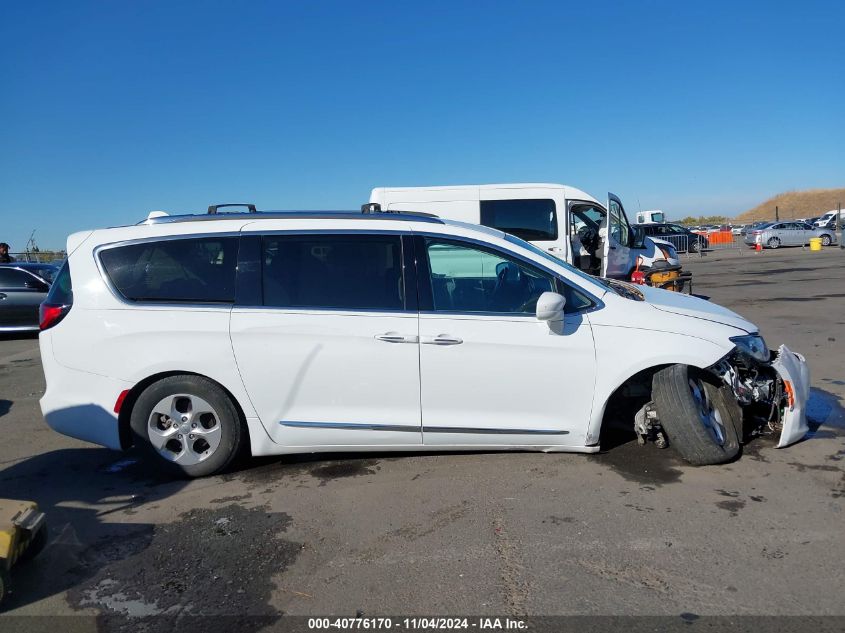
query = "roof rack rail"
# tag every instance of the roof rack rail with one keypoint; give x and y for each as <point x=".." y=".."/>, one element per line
<point x="212" y="209"/>
<point x="295" y="215"/>
<point x="375" y="207"/>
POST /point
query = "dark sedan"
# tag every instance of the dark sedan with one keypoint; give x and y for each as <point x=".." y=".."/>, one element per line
<point x="22" y="290"/>
<point x="47" y="271"/>
<point x="680" y="237"/>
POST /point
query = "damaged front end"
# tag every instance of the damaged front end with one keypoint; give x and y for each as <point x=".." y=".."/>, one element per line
<point x="772" y="387"/>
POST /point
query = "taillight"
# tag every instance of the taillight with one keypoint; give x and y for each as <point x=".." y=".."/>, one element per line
<point x="50" y="313"/>
<point x="119" y="402"/>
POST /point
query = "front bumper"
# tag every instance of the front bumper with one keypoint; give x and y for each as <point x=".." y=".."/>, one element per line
<point x="776" y="392"/>
<point x="795" y="374"/>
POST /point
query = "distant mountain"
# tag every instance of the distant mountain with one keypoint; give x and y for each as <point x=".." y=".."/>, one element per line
<point x="796" y="204"/>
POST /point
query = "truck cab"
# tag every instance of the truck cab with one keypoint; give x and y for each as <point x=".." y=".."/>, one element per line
<point x="567" y="222"/>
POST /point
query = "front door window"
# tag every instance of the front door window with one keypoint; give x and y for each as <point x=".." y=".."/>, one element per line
<point x="473" y="280"/>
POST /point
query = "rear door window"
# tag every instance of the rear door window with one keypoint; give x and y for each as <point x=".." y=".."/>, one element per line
<point x="190" y="270"/>
<point x="529" y="219"/>
<point x="339" y="272"/>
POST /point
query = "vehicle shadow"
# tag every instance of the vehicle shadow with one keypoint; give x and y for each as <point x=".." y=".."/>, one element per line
<point x="5" y="406"/>
<point x="82" y="491"/>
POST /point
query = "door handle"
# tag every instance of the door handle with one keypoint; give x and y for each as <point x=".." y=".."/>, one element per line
<point x="442" y="339"/>
<point x="395" y="337"/>
<point x="2" y="295"/>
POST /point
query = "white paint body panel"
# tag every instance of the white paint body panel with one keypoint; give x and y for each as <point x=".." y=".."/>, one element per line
<point x="503" y="363"/>
<point x="304" y="366"/>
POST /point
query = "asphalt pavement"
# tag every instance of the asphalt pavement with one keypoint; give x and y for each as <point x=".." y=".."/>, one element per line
<point x="631" y="531"/>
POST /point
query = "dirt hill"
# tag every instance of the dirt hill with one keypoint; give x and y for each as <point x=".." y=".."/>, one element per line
<point x="796" y="204"/>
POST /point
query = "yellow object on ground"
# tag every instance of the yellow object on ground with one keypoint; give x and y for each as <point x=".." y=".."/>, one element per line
<point x="23" y="533"/>
<point x="669" y="278"/>
<point x="815" y="243"/>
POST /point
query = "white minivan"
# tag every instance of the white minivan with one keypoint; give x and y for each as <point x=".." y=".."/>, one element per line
<point x="196" y="337"/>
<point x="565" y="221"/>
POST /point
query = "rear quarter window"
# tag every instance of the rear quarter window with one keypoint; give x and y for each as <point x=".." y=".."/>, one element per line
<point x="189" y="270"/>
<point x="61" y="291"/>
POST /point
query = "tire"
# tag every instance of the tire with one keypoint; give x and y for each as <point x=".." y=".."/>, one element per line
<point x="702" y="420"/>
<point x="189" y="424"/>
<point x="694" y="246"/>
<point x="773" y="242"/>
<point x="826" y="240"/>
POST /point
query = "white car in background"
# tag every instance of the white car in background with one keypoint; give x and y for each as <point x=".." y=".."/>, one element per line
<point x="197" y="337"/>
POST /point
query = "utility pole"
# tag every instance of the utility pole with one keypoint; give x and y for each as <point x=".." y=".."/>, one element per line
<point x="777" y="215"/>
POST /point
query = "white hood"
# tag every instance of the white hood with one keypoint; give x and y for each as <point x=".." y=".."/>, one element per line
<point x="686" y="305"/>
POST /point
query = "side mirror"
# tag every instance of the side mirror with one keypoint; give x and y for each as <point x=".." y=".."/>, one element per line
<point x="638" y="238"/>
<point x="550" y="306"/>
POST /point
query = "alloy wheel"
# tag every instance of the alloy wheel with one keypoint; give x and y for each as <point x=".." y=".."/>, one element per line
<point x="709" y="416"/>
<point x="184" y="429"/>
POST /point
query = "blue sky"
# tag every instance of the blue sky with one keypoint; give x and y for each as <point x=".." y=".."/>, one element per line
<point x="111" y="109"/>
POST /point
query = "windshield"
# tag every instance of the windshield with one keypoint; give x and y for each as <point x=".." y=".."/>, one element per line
<point x="555" y="260"/>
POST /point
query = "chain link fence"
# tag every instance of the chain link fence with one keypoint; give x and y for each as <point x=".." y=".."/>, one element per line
<point x="700" y="242"/>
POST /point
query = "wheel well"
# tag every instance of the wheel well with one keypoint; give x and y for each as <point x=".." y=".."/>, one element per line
<point x="624" y="402"/>
<point x="125" y="414"/>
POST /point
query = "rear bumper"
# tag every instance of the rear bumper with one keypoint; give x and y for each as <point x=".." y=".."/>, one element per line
<point x="80" y="404"/>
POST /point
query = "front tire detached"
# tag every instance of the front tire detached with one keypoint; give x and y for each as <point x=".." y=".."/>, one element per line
<point x="189" y="424"/>
<point x="702" y="419"/>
